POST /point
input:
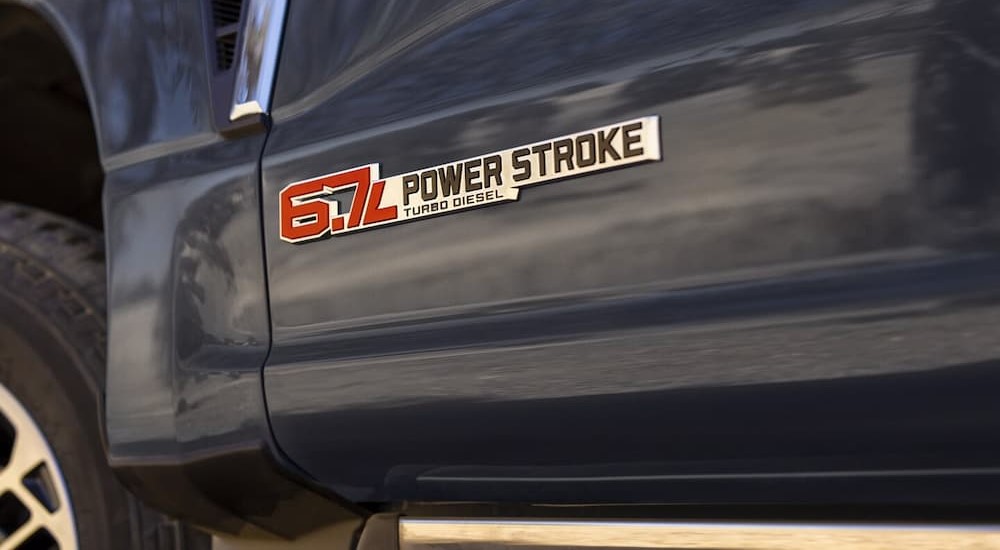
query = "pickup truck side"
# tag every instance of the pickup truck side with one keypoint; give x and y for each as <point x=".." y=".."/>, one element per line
<point x="488" y="273"/>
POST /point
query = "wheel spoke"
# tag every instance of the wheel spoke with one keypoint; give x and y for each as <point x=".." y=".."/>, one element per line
<point x="22" y="461"/>
<point x="32" y="489"/>
<point x="22" y="534"/>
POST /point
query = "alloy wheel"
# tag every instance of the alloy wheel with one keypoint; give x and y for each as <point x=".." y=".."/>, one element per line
<point x="35" y="509"/>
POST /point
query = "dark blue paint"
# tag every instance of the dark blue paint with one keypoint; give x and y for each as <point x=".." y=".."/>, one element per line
<point x="796" y="305"/>
<point x="143" y="64"/>
<point x="188" y="326"/>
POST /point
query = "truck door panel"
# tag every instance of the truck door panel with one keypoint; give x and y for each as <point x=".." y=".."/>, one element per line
<point x="801" y="292"/>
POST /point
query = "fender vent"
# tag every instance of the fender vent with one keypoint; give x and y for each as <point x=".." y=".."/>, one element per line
<point x="226" y="12"/>
<point x="225" y="51"/>
<point x="226" y="26"/>
<point x="225" y="23"/>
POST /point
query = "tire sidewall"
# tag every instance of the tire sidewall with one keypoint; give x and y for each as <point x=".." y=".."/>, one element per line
<point x="47" y="375"/>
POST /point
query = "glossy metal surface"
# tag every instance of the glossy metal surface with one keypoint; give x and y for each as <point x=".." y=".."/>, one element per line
<point x="258" y="58"/>
<point x="143" y="65"/>
<point x="188" y="330"/>
<point x="185" y="418"/>
<point x="797" y="305"/>
<point x="188" y="323"/>
<point x="423" y="534"/>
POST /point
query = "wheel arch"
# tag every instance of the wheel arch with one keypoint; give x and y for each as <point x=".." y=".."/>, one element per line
<point x="49" y="147"/>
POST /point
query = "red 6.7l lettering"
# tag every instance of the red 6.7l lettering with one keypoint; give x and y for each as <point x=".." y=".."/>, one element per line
<point x="308" y="214"/>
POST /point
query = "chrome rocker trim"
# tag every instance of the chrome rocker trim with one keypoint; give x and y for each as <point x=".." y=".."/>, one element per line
<point x="467" y="534"/>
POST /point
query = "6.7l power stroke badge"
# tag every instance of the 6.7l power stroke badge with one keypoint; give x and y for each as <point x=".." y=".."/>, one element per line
<point x="308" y="212"/>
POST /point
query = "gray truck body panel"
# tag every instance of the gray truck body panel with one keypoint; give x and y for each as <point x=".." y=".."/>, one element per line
<point x="797" y="304"/>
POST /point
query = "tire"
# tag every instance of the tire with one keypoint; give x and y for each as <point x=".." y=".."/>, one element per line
<point x="52" y="357"/>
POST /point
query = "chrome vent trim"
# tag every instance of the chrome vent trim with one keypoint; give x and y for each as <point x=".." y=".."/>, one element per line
<point x="258" y="58"/>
